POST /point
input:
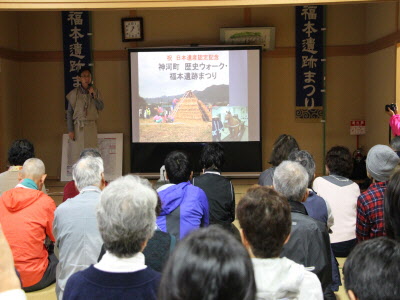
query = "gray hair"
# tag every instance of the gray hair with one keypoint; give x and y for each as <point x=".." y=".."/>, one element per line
<point x="33" y="168"/>
<point x="90" y="152"/>
<point x="126" y="215"/>
<point x="395" y="143"/>
<point x="87" y="171"/>
<point x="291" y="180"/>
<point x="307" y="161"/>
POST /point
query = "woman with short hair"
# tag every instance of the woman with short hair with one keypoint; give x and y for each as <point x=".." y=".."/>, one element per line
<point x="341" y="193"/>
<point x="283" y="146"/>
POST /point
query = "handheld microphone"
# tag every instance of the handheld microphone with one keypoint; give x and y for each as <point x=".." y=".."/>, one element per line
<point x="90" y="85"/>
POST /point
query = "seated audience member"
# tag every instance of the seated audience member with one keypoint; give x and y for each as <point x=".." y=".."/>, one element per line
<point x="371" y="270"/>
<point x="309" y="243"/>
<point x="209" y="264"/>
<point x="341" y="193"/>
<point x="184" y="207"/>
<point x="317" y="208"/>
<point x="19" y="152"/>
<point x="392" y="207"/>
<point x="162" y="180"/>
<point x="27" y="214"/>
<point x="283" y="146"/>
<point x="75" y="227"/>
<point x="70" y="189"/>
<point x="219" y="190"/>
<point x="125" y="217"/>
<point x="395" y="145"/>
<point x="158" y="248"/>
<point x="10" y="286"/>
<point x="264" y="216"/>
<point x="381" y="161"/>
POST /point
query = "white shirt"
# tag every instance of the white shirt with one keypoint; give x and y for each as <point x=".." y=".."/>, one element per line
<point x="341" y="193"/>
<point x="113" y="264"/>
<point x="282" y="278"/>
<point x="16" y="294"/>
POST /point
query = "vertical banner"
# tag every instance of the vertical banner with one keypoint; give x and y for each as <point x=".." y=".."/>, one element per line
<point x="310" y="60"/>
<point x="76" y="45"/>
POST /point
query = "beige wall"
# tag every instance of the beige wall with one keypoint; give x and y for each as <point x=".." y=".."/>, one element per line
<point x="9" y="83"/>
<point x="353" y="82"/>
<point x="379" y="72"/>
<point x="8" y="30"/>
<point x="40" y="31"/>
<point x="380" y="20"/>
<point x="345" y="25"/>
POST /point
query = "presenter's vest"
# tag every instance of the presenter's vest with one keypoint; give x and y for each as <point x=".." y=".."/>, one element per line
<point x="83" y="105"/>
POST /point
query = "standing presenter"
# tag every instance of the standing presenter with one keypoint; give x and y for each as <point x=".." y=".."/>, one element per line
<point x="84" y="104"/>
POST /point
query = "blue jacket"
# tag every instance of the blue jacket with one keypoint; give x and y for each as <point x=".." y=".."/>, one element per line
<point x="184" y="208"/>
<point x="316" y="207"/>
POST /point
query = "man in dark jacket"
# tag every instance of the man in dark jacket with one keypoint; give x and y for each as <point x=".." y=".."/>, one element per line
<point x="309" y="242"/>
<point x="219" y="190"/>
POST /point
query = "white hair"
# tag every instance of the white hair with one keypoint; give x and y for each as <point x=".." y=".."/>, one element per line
<point x="87" y="171"/>
<point x="126" y="215"/>
<point x="33" y="168"/>
<point x="291" y="180"/>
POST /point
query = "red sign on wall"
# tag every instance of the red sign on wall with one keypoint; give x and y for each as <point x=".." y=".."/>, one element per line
<point x="357" y="127"/>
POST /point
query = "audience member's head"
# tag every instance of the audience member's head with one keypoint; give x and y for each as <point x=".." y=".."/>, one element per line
<point x="212" y="156"/>
<point x="33" y="168"/>
<point x="395" y="143"/>
<point x="307" y="161"/>
<point x="381" y="161"/>
<point x="291" y="180"/>
<point x="88" y="171"/>
<point x="93" y="152"/>
<point x="371" y="270"/>
<point x="20" y="151"/>
<point x="339" y="161"/>
<point x="177" y="166"/>
<point x="264" y="216"/>
<point x="283" y="146"/>
<point x="392" y="207"/>
<point x="209" y="264"/>
<point x="126" y="215"/>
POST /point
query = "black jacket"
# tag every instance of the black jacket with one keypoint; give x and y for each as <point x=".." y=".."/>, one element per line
<point x="220" y="195"/>
<point x="309" y="244"/>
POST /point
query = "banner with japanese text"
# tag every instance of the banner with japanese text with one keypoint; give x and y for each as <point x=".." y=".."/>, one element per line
<point x="76" y="45"/>
<point x="310" y="60"/>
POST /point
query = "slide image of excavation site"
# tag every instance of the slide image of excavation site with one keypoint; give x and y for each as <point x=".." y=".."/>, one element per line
<point x="180" y="119"/>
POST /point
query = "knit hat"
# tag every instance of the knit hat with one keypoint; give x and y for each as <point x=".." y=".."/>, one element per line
<point x="381" y="160"/>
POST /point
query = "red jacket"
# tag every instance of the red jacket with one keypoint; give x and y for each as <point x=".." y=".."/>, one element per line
<point x="26" y="216"/>
<point x="70" y="190"/>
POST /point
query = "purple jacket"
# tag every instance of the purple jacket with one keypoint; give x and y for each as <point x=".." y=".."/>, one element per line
<point x="184" y="208"/>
